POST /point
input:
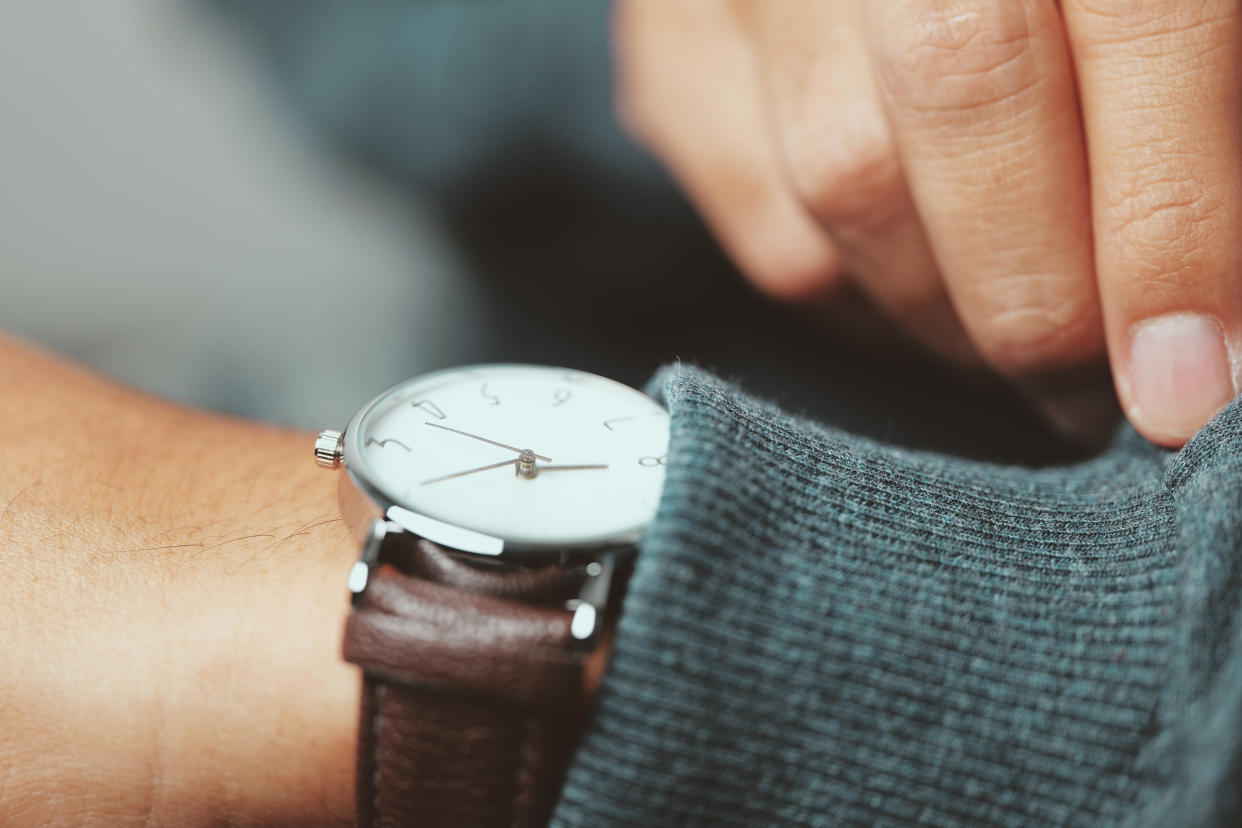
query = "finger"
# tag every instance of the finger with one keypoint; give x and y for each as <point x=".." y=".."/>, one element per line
<point x="839" y="156"/>
<point x="687" y="88"/>
<point x="982" y="101"/>
<point x="1159" y="85"/>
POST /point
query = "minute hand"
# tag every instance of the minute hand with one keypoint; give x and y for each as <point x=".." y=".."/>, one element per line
<point x="570" y="468"/>
<point x="485" y="440"/>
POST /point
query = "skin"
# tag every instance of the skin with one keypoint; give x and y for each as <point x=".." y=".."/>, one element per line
<point x="1045" y="190"/>
<point x="174" y="600"/>
<point x="174" y="603"/>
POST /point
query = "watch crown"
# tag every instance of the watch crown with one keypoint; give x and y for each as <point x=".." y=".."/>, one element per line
<point x="329" y="448"/>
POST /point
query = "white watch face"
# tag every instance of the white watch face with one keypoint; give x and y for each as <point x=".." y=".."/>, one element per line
<point x="530" y="454"/>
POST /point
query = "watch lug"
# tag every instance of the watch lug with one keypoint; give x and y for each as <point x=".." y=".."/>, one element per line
<point x="591" y="606"/>
<point x="372" y="553"/>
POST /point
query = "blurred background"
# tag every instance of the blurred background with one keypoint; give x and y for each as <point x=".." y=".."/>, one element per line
<point x="279" y="209"/>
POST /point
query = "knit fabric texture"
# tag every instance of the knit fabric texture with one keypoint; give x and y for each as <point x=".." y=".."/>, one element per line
<point x="824" y="630"/>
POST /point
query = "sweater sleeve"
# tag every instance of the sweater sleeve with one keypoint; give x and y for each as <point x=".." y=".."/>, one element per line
<point x="823" y="630"/>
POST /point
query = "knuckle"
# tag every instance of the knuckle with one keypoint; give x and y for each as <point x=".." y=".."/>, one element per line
<point x="1106" y="24"/>
<point x="941" y="59"/>
<point x="788" y="276"/>
<point x="910" y="298"/>
<point x="1033" y="327"/>
<point x="1165" y="229"/>
<point x="848" y="180"/>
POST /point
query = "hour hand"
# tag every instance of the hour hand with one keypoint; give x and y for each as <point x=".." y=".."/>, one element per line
<point x="469" y="471"/>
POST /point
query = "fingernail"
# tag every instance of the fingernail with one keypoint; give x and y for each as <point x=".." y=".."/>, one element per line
<point x="1086" y="416"/>
<point x="1179" y="375"/>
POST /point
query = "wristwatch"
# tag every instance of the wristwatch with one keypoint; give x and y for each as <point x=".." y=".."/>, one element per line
<point x="498" y="509"/>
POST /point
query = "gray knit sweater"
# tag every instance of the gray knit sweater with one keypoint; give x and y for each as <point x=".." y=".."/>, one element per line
<point x="822" y="630"/>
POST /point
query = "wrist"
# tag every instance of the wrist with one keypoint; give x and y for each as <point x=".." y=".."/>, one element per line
<point x="172" y="637"/>
<point x="260" y="726"/>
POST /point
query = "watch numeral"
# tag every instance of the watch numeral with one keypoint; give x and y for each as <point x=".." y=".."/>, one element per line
<point x="494" y="399"/>
<point x="384" y="443"/>
<point x="651" y="462"/>
<point x="561" y="396"/>
<point x="608" y="423"/>
<point x="430" y="407"/>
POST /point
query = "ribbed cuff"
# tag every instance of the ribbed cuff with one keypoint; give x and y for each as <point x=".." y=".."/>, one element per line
<point x="822" y="630"/>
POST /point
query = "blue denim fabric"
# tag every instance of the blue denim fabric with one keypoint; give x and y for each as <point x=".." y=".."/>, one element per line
<point x="823" y="630"/>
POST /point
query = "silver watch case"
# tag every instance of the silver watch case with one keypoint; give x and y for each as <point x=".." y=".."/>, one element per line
<point x="374" y="521"/>
<point x="362" y="502"/>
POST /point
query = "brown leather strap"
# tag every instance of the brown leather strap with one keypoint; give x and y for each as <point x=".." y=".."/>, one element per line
<point x="472" y="692"/>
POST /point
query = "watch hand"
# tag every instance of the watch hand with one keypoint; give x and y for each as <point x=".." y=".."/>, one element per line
<point x="469" y="471"/>
<point x="485" y="440"/>
<point x="510" y="463"/>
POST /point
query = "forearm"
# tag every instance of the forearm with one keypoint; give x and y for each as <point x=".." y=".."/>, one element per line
<point x="173" y="612"/>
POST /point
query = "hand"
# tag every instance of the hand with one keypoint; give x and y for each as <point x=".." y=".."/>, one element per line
<point x="935" y="152"/>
